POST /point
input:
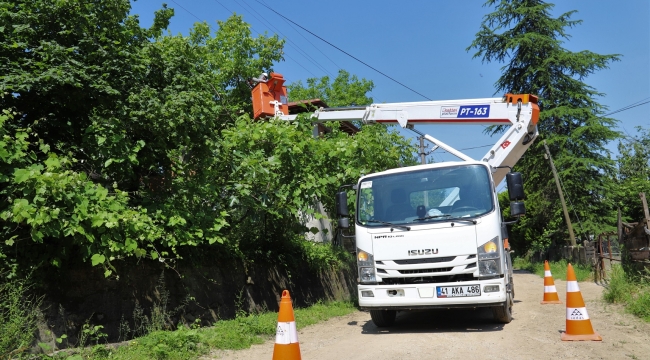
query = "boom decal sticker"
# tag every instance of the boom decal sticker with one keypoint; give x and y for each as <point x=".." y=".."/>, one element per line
<point x="467" y="111"/>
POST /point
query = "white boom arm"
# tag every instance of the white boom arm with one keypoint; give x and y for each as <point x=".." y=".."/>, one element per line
<point x="519" y="112"/>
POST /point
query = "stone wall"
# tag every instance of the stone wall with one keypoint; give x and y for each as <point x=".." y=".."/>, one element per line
<point x="206" y="293"/>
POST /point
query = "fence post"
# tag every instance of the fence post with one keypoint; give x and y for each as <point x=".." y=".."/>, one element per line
<point x="645" y="210"/>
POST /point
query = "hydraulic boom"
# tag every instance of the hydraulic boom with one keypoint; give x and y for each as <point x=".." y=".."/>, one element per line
<point x="519" y="113"/>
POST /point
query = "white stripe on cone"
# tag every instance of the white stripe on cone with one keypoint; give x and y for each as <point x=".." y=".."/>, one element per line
<point x="577" y="313"/>
<point x="572" y="286"/>
<point x="286" y="333"/>
<point x="550" y="289"/>
<point x="547" y="273"/>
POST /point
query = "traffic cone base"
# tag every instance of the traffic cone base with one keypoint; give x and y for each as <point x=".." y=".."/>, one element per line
<point x="550" y="302"/>
<point x="550" y="292"/>
<point x="591" y="337"/>
<point x="286" y="336"/>
<point x="578" y="324"/>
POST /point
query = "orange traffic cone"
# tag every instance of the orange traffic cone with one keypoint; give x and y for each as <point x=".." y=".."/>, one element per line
<point x="286" y="336"/>
<point x="578" y="325"/>
<point x="550" y="292"/>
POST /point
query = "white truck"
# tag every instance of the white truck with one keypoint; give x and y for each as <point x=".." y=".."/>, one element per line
<point x="432" y="236"/>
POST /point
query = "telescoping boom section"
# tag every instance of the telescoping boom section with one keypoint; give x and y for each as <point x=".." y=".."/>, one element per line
<point x="518" y="112"/>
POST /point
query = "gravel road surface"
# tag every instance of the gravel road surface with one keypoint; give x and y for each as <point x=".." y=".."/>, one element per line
<point x="469" y="334"/>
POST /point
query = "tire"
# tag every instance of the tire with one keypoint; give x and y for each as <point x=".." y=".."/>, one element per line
<point x="503" y="313"/>
<point x="383" y="318"/>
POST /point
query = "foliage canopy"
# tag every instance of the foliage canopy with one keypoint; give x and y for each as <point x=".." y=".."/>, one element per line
<point x="120" y="141"/>
<point x="524" y="36"/>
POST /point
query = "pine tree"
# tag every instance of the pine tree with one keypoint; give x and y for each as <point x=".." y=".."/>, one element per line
<point x="527" y="39"/>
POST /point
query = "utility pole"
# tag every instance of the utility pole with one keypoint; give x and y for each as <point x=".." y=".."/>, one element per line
<point x="559" y="190"/>
<point x="423" y="154"/>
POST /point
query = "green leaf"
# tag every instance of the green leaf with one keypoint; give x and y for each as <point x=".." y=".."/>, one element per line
<point x="52" y="163"/>
<point x="97" y="259"/>
<point x="97" y="220"/>
<point x="10" y="242"/>
<point x="140" y="252"/>
<point x="21" y="175"/>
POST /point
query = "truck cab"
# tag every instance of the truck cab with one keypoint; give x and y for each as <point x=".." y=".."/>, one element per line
<point x="431" y="236"/>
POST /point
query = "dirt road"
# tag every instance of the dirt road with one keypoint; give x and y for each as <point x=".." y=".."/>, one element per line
<point x="533" y="334"/>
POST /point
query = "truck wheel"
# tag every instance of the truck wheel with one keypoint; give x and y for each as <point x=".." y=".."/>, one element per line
<point x="503" y="313"/>
<point x="383" y="318"/>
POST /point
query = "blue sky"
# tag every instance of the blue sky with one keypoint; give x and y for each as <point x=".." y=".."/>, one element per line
<point x="422" y="45"/>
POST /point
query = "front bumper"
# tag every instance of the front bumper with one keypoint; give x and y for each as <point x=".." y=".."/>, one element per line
<point x="424" y="296"/>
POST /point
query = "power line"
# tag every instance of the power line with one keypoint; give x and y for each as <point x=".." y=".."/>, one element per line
<point x="303" y="53"/>
<point x="469" y="148"/>
<point x="232" y="12"/>
<point x="628" y="107"/>
<point x="312" y="44"/>
<point x="341" y="50"/>
<point x="259" y="33"/>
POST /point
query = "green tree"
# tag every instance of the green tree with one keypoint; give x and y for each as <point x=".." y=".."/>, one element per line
<point x="633" y="174"/>
<point x="110" y="151"/>
<point x="120" y="141"/>
<point x="524" y="36"/>
<point x="345" y="90"/>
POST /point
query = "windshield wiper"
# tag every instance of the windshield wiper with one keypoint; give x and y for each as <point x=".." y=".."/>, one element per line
<point x="407" y="228"/>
<point x="432" y="217"/>
<point x="462" y="219"/>
<point x="447" y="217"/>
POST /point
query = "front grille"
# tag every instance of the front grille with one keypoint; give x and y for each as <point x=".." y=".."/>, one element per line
<point x="428" y="279"/>
<point x="423" y="271"/>
<point x="425" y="261"/>
<point x="382" y="271"/>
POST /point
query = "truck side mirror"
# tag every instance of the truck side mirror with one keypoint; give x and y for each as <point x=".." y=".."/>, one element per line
<point x="515" y="185"/>
<point x="517" y="208"/>
<point x="342" y="204"/>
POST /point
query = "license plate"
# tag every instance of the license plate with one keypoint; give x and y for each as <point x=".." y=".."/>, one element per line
<point x="458" y="291"/>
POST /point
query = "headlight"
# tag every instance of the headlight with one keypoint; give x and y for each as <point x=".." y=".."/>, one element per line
<point x="366" y="264"/>
<point x="367" y="274"/>
<point x="364" y="258"/>
<point x="489" y="263"/>
<point x="488" y="267"/>
<point x="489" y="250"/>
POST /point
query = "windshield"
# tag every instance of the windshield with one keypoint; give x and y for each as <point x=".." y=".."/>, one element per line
<point x="429" y="195"/>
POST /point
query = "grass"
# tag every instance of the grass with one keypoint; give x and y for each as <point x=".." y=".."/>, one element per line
<point x="630" y="290"/>
<point x="18" y="317"/>
<point x="558" y="269"/>
<point x="184" y="343"/>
